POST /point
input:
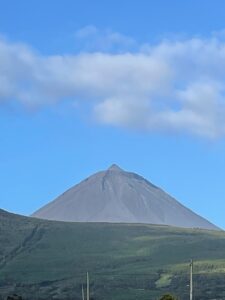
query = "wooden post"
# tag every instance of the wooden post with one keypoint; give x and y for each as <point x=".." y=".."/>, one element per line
<point x="191" y="280"/>
<point x="88" y="291"/>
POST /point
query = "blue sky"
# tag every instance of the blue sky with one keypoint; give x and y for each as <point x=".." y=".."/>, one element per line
<point x="84" y="84"/>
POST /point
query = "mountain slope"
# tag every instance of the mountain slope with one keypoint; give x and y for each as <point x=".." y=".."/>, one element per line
<point x="42" y="259"/>
<point x="117" y="196"/>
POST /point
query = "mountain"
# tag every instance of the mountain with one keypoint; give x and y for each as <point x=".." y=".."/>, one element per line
<point x="42" y="260"/>
<point x="117" y="196"/>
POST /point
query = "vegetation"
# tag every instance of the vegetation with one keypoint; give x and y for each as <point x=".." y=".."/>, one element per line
<point x="14" y="297"/>
<point x="48" y="260"/>
<point x="167" y="297"/>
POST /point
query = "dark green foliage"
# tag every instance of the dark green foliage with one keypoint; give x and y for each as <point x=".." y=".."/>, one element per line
<point x="167" y="297"/>
<point x="14" y="297"/>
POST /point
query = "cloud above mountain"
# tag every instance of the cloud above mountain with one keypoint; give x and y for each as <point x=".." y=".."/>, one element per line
<point x="175" y="86"/>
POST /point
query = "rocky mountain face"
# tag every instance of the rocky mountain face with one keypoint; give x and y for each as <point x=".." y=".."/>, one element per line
<point x="117" y="196"/>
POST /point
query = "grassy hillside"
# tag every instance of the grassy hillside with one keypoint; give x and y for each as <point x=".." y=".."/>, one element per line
<point x="48" y="260"/>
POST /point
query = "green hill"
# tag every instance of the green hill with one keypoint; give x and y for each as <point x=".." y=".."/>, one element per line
<point x="48" y="260"/>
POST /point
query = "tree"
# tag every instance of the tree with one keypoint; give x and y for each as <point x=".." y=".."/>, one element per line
<point x="167" y="297"/>
<point x="14" y="297"/>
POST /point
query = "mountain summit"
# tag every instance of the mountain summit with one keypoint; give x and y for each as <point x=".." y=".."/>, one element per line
<point x="114" y="167"/>
<point x="117" y="196"/>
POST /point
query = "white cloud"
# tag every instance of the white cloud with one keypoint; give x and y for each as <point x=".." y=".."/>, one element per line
<point x="175" y="86"/>
<point x="125" y="112"/>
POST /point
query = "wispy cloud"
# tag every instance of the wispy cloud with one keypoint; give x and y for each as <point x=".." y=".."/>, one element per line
<point x="91" y="39"/>
<point x="174" y="86"/>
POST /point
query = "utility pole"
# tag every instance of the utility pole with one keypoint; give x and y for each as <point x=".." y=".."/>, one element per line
<point x="191" y="280"/>
<point x="82" y="292"/>
<point x="88" y="292"/>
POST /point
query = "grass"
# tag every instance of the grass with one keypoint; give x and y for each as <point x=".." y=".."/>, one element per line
<point x="44" y="260"/>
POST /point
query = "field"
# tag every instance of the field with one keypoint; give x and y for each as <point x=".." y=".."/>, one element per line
<point x="49" y="260"/>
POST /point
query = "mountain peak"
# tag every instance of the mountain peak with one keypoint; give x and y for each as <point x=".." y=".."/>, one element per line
<point x="117" y="196"/>
<point x="114" y="167"/>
